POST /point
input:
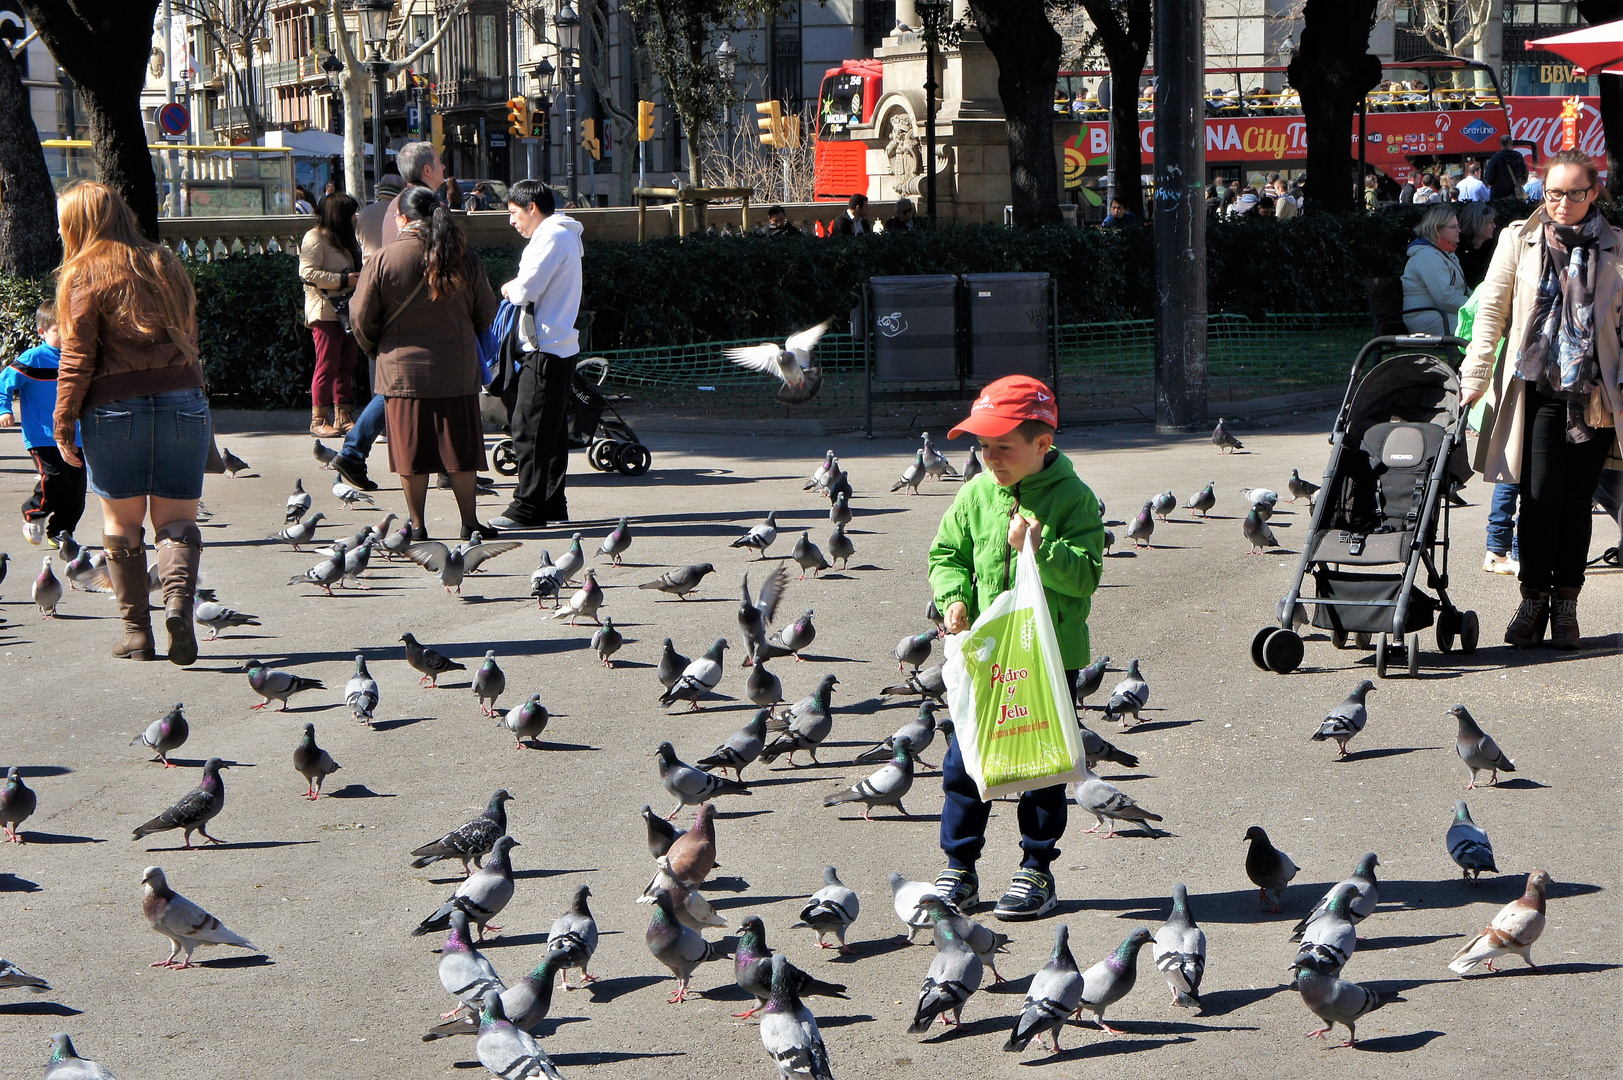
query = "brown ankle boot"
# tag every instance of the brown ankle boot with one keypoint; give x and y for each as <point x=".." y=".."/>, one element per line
<point x="127" y="567"/>
<point x="180" y="550"/>
<point x="343" y="418"/>
<point x="1564" y="633"/>
<point x="320" y="426"/>
<point x="1527" y="628"/>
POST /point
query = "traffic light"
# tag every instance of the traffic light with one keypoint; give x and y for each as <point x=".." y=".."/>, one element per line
<point x="539" y="119"/>
<point x="588" y="138"/>
<point x="770" y="121"/>
<point x="791" y="131"/>
<point x="436" y="132"/>
<point x="518" y="117"/>
<point x="645" y="121"/>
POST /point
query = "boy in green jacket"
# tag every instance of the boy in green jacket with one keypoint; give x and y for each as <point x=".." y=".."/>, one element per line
<point x="1027" y="485"/>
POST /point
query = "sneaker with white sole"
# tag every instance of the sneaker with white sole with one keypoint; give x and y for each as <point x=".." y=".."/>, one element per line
<point x="961" y="889"/>
<point x="1494" y="563"/>
<point x="1030" y="896"/>
<point x="35" y="532"/>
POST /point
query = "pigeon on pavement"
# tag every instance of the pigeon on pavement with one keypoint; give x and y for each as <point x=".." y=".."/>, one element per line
<point x="606" y="641"/>
<point x="808" y="555"/>
<point x="573" y="938"/>
<point x="973" y="467"/>
<point x="1179" y="950"/>
<point x="914" y="651"/>
<point x="324" y="455"/>
<point x="66" y="1064"/>
<point x="526" y="720"/>
<point x="742" y="747"/>
<point x="919" y="732"/>
<point x="927" y="683"/>
<point x="1108" y="981"/>
<point x="544" y="582"/>
<point x="935" y="463"/>
<point x="617" y="541"/>
<point x="752" y="969"/>
<point x="313" y="763"/>
<point x="275" y="685"/>
<point x="453" y="564"/>
<point x="234" y="465"/>
<point x="469" y="842"/>
<point x="47" y="591"/>
<point x="761" y="536"/>
<point x="789" y="1031"/>
<point x="13" y="976"/>
<point x="1329" y="941"/>
<point x="1262" y="500"/>
<point x="1477" y="748"/>
<point x="698" y="678"/>
<point x="1347" y="719"/>
<point x="791" y="363"/>
<point x="489" y="683"/>
<point x="793" y="639"/>
<point x="1513" y="930"/>
<point x="303" y="532"/>
<point x="818" y="480"/>
<point x="464" y="971"/>
<point x="887" y="787"/>
<point x="1130" y="695"/>
<point x="1299" y="488"/>
<point x="1334" y="1000"/>
<point x="682" y="580"/>
<point x="912" y="476"/>
<point x="754" y="616"/>
<point x="17" y="803"/>
<point x="526" y="1003"/>
<point x="907" y="897"/>
<point x="805" y="726"/>
<point x="982" y="940"/>
<point x="570" y="563"/>
<point x="184" y="923"/>
<point x="1089" y="679"/>
<point x="761" y="686"/>
<point x="1095" y="749"/>
<point x="1142" y="527"/>
<point x="1163" y="504"/>
<point x="326" y="573"/>
<point x="690" y="786"/>
<point x="88" y="571"/>
<point x="831" y="910"/>
<point x="1468" y="844"/>
<point x="661" y="833"/>
<point x="361" y="692"/>
<point x="671" y="665"/>
<point x="1269" y="869"/>
<point x="692" y="855"/>
<point x="839" y="515"/>
<point x="678" y="947"/>
<point x="1367" y="894"/>
<point x="585" y="601"/>
<point x="168" y="732"/>
<point x="1202" y="501"/>
<point x="430" y="662"/>
<point x="216" y="616"/>
<point x="1105" y="801"/>
<point x="298" y="503"/>
<point x="1055" y="993"/>
<point x="1225" y="442"/>
<point x="351" y="497"/>
<point x="481" y="896"/>
<point x="955" y="973"/>
<point x="195" y="809"/>
<point x="1257" y="533"/>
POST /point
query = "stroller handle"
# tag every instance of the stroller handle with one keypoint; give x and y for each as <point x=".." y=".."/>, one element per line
<point x="1378" y="347"/>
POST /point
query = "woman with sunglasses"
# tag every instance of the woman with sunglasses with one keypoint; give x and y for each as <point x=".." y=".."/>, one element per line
<point x="1553" y="295"/>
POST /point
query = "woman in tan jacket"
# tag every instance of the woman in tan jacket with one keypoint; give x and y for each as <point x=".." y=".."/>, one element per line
<point x="1554" y="296"/>
<point x="329" y="265"/>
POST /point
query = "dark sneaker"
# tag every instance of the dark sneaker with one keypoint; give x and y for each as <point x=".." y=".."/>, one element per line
<point x="444" y="482"/>
<point x="1030" y="896"/>
<point x="419" y="534"/>
<point x="961" y="889"/>
<point x="354" y="473"/>
<point x="486" y="532"/>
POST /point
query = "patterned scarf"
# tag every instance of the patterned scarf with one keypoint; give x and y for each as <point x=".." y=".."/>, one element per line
<point x="1558" y="354"/>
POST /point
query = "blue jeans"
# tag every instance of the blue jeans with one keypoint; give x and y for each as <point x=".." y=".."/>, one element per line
<point x="1502" y="520"/>
<point x="1041" y="814"/>
<point x="368" y="426"/>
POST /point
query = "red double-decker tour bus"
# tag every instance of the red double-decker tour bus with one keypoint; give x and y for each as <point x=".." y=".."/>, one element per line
<point x="848" y="96"/>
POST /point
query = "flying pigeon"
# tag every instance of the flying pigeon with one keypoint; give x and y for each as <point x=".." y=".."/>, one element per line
<point x="1129" y="696"/>
<point x="1142" y="527"/>
<point x="184" y="923"/>
<point x="831" y="910"/>
<point x="430" y="662"/>
<point x="216" y="616"/>
<point x="298" y="503"/>
<point x="88" y="571"/>
<point x="1269" y="869"/>
<point x="1347" y="719"/>
<point x="195" y="809"/>
<point x="1108" y="981"/>
<point x="1299" y="488"/>
<point x="955" y="973"/>
<point x="913" y="476"/>
<point x="1257" y="533"/>
<point x="301" y="532"/>
<point x="1513" y="930"/>
<point x="1202" y="501"/>
<point x="698" y="678"/>
<point x="681" y="581"/>
<point x="1335" y="1001"/>
<point x="761" y="536"/>
<point x="273" y="685"/>
<point x="606" y="641"/>
<point x="1225" y="442"/>
<point x="742" y="747"/>
<point x="313" y="763"/>
<point x="47" y="591"/>
<point x="1367" y="894"/>
<point x="469" y="842"/>
<point x="489" y="682"/>
<point x="1179" y="950"/>
<point x="789" y="1032"/>
<point x="573" y="938"/>
<point x="791" y="362"/>
<point x="678" y="947"/>
<point x="1055" y="993"/>
<point x="1468" y="844"/>
<point x="887" y="787"/>
<point x="690" y="786"/>
<point x="361" y="692"/>
<point x="615" y="544"/>
<point x="1477" y="748"/>
<point x="481" y="896"/>
<point x="585" y="601"/>
<point x="1105" y="800"/>
<point x="527" y="720"/>
<point x="17" y="803"/>
<point x="233" y="464"/>
<point x="451" y="565"/>
<point x="168" y="732"/>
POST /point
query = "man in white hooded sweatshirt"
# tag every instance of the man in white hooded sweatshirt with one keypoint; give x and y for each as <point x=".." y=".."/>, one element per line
<point x="547" y="293"/>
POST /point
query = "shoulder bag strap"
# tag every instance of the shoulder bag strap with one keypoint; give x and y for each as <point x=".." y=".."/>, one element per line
<point x="401" y="310"/>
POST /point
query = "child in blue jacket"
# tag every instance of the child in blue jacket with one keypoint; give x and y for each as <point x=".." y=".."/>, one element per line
<point x="28" y="399"/>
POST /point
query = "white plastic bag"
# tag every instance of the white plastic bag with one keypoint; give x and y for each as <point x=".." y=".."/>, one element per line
<point x="1012" y="710"/>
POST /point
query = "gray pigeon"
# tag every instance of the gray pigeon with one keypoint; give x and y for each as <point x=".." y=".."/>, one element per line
<point x="1108" y="981"/>
<point x="907" y="897"/>
<point x="754" y="616"/>
<point x="526" y="1003"/>
<point x="985" y="942"/>
<point x="573" y="938"/>
<point x="741" y="748"/>
<point x="690" y="786"/>
<point x="168" y="732"/>
<point x="1130" y="695"/>
<point x="302" y="532"/>
<point x="1262" y="500"/>
<point x="1335" y="1001"/>
<point x="926" y="682"/>
<point x="818" y="480"/>
<point x="66" y="1064"/>
<point x="216" y="616"/>
<point x="361" y="692"/>
<point x="451" y="565"/>
<point x="356" y="561"/>
<point x="1257" y="533"/>
<point x="761" y="536"/>
<point x="1163" y="504"/>
<point x="973" y="467"/>
<point x="481" y="896"/>
<point x="47" y="591"/>
<point x="464" y="971"/>
<point x="606" y="641"/>
<point x="527" y="720"/>
<point x="1095" y="749"/>
<point x="17" y="803"/>
<point x="184" y="923"/>
<point x="196" y="808"/>
<point x="1468" y="844"/>
<point x="1477" y="749"/>
<point x="790" y="363"/>
<point x="1299" y="488"/>
<point x="698" y="678"/>
<point x="1055" y="993"/>
<point x="1225" y="442"/>
<point x="831" y="910"/>
<point x="545" y="582"/>
<point x="789" y="1032"/>
<point x="570" y="563"/>
<point x="1089" y="679"/>
<point x="887" y="787"/>
<point x="805" y="726"/>
<point x="1202" y="501"/>
<point x="13" y="976"/>
<point x="429" y="661"/>
<point x="1142" y="527"/>
<point x="326" y="573"/>
<point x="1330" y="940"/>
<point x="682" y="580"/>
<point x="752" y="969"/>
<point x="935" y="465"/>
<point x="919" y="732"/>
<point x="585" y="601"/>
<point x="615" y="544"/>
<point x="678" y="947"/>
<point x="671" y="665"/>
<point x="1109" y="541"/>
<point x="469" y="842"/>
<point x="1269" y="869"/>
<point x="1367" y="894"/>
<point x="398" y="541"/>
<point x="489" y="683"/>
<point x="234" y="465"/>
<point x="1347" y="719"/>
<point x="839" y="515"/>
<point x="793" y="639"/>
<point x="914" y="651"/>
<point x="955" y="973"/>
<point x="313" y="763"/>
<point x="351" y="497"/>
<point x="913" y="476"/>
<point x="808" y="555"/>
<point x="762" y="686"/>
<point x="1105" y="801"/>
<point x="1179" y="950"/>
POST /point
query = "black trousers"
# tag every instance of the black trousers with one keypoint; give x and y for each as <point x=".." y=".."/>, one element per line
<point x="538" y="417"/>
<point x="1557" y="487"/>
<point x="59" y="496"/>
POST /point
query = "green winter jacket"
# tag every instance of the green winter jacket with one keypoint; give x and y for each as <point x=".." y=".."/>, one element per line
<point x="971" y="560"/>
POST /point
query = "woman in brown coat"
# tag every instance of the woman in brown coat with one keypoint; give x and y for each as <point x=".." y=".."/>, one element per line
<point x="132" y="380"/>
<point x="1554" y="296"/>
<point x="419" y="307"/>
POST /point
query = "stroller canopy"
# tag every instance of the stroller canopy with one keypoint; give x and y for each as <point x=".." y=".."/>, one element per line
<point x="1415" y="388"/>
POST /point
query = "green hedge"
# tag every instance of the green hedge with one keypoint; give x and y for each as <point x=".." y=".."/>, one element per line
<point x="673" y="292"/>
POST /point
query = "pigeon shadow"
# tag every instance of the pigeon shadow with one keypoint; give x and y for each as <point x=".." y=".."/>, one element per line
<point x="867" y="950"/>
<point x="10" y="882"/>
<point x="198" y="763"/>
<point x="605" y="990"/>
<point x="1105" y="1048"/>
<point x="504" y="941"/>
<point x="894" y="817"/>
<point x="246" y="845"/>
<point x="536" y="744"/>
<point x="357" y="791"/>
<point x="31" y="771"/>
<point x="732" y="883"/>
<point x="792" y="778"/>
<point x="1521" y="783"/>
<point x="745" y="901"/>
<point x="540" y="873"/>
<point x="603" y="1057"/>
<point x="737" y="815"/>
<point x="251" y="960"/>
<point x="1380" y="752"/>
<point x="1404" y="942"/>
<point x="38" y="1008"/>
<point x="1164" y="725"/>
<point x="1223" y="1002"/>
<point x="1547" y="969"/>
<point x="32" y="837"/>
<point x="404" y="721"/>
<point x="984" y="1026"/>
<point x="1397" y="1044"/>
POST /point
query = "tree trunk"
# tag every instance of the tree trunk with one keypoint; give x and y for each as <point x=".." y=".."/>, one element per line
<point x="1611" y="93"/>
<point x="695" y="172"/>
<point x="1027" y="49"/>
<point x="29" y="244"/>
<point x="1332" y="71"/>
<point x="1125" y="37"/>
<point x="103" y="45"/>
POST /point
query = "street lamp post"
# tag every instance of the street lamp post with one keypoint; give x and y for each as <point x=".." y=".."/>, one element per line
<point x="544" y="74"/>
<point x="375" y="30"/>
<point x="727" y="68"/>
<point x="332" y="69"/>
<point x="568" y="25"/>
<point x="937" y="28"/>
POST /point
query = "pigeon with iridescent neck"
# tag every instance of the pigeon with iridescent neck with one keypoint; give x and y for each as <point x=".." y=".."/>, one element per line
<point x="690" y="786"/>
<point x="619" y="539"/>
<point x="429" y="661"/>
<point x="573" y="939"/>
<point x="584" y="602"/>
<point x="912" y="476"/>
<point x="298" y="503"/>
<point x="789" y="1031"/>
<point x="1330" y="940"/>
<point x="216" y="616"/>
<point x="168" y="732"/>
<point x="1347" y="719"/>
<point x="698" y="678"/>
<point x="1477" y="748"/>
<point x="741" y="748"/>
<point x="807" y="723"/>
<point x="463" y="970"/>
<point x="752" y="969"/>
<point x="679" y="948"/>
<point x="955" y="973"/>
<point x="681" y="581"/>
<point x="1163" y="504"/>
<point x="489" y="683"/>
<point x="1179" y="950"/>
<point x="1130" y="695"/>
<point x="184" y="923"/>
<point x="808" y="555"/>
<point x="887" y="787"/>
<point x="313" y="763"/>
<point x="273" y="685"/>
<point x="302" y="531"/>
<point x="47" y="591"/>
<point x="1334" y="1000"/>
<point x="481" y="896"/>
<point x="526" y="720"/>
<point x="1468" y="844"/>
<point x="470" y="842"/>
<point x="606" y="641"/>
<point x="760" y="537"/>
<point x="1110" y="980"/>
<point x="1142" y="527"/>
<point x="66" y="1064"/>
<point x="526" y="1003"/>
<point x="1366" y="895"/>
<point x="195" y="809"/>
<point x="1055" y="993"/>
<point x="919" y="732"/>
<point x="17" y="803"/>
<point x="1202" y="501"/>
<point x="914" y="651"/>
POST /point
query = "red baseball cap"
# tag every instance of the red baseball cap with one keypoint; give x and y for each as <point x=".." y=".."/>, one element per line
<point x="1005" y="404"/>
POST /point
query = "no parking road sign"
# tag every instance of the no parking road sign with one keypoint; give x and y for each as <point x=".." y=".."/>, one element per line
<point x="173" y="119"/>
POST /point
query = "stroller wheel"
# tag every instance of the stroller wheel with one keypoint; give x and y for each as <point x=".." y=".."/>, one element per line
<point x="1258" y="642"/>
<point x="633" y="459"/>
<point x="1413" y="649"/>
<point x="1363" y="640"/>
<point x="1283" y="651"/>
<point x="1381" y="646"/>
<point x="1469" y="631"/>
<point x="504" y="459"/>
<point x="601" y="455"/>
<point x="1448" y="627"/>
<point x="1338" y="638"/>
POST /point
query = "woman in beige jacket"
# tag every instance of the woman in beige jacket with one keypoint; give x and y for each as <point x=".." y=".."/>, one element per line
<point x="1554" y="296"/>
<point x="329" y="265"/>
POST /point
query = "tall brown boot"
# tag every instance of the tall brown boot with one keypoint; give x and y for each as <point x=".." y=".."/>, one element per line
<point x="180" y="550"/>
<point x="343" y="418"/>
<point x="320" y="426"/>
<point x="1527" y="628"/>
<point x="127" y="567"/>
<point x="1564" y="633"/>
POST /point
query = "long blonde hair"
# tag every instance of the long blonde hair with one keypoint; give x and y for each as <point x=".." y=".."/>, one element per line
<point x="102" y="245"/>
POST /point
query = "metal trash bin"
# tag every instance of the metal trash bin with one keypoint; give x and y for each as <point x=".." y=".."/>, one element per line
<point x="913" y="321"/>
<point x="1009" y="317"/>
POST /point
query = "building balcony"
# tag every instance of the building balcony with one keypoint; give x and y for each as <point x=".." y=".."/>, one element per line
<point x="475" y="93"/>
<point x="300" y="71"/>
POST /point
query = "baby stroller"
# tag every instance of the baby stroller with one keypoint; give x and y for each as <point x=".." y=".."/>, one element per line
<point x="610" y="445"/>
<point x="1381" y="515"/>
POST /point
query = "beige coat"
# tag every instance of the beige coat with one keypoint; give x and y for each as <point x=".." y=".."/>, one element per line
<point x="322" y="267"/>
<point x="1503" y="312"/>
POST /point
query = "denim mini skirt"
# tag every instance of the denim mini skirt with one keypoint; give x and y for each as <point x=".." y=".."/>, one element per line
<point x="157" y="445"/>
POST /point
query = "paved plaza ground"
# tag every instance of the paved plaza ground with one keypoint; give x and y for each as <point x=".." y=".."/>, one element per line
<point x="327" y="891"/>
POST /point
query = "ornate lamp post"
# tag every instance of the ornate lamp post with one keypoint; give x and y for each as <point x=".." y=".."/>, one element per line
<point x="544" y="75"/>
<point x="568" y="25"/>
<point x="332" y="69"/>
<point x="937" y="28"/>
<point x="727" y="68"/>
<point x="375" y="31"/>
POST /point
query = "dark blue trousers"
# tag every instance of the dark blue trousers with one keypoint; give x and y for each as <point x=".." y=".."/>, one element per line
<point x="1041" y="814"/>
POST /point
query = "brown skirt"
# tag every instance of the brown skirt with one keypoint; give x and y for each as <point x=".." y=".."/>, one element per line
<point x="434" y="435"/>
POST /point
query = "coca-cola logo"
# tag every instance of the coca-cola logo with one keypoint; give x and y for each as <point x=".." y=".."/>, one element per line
<point x="1538" y="120"/>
